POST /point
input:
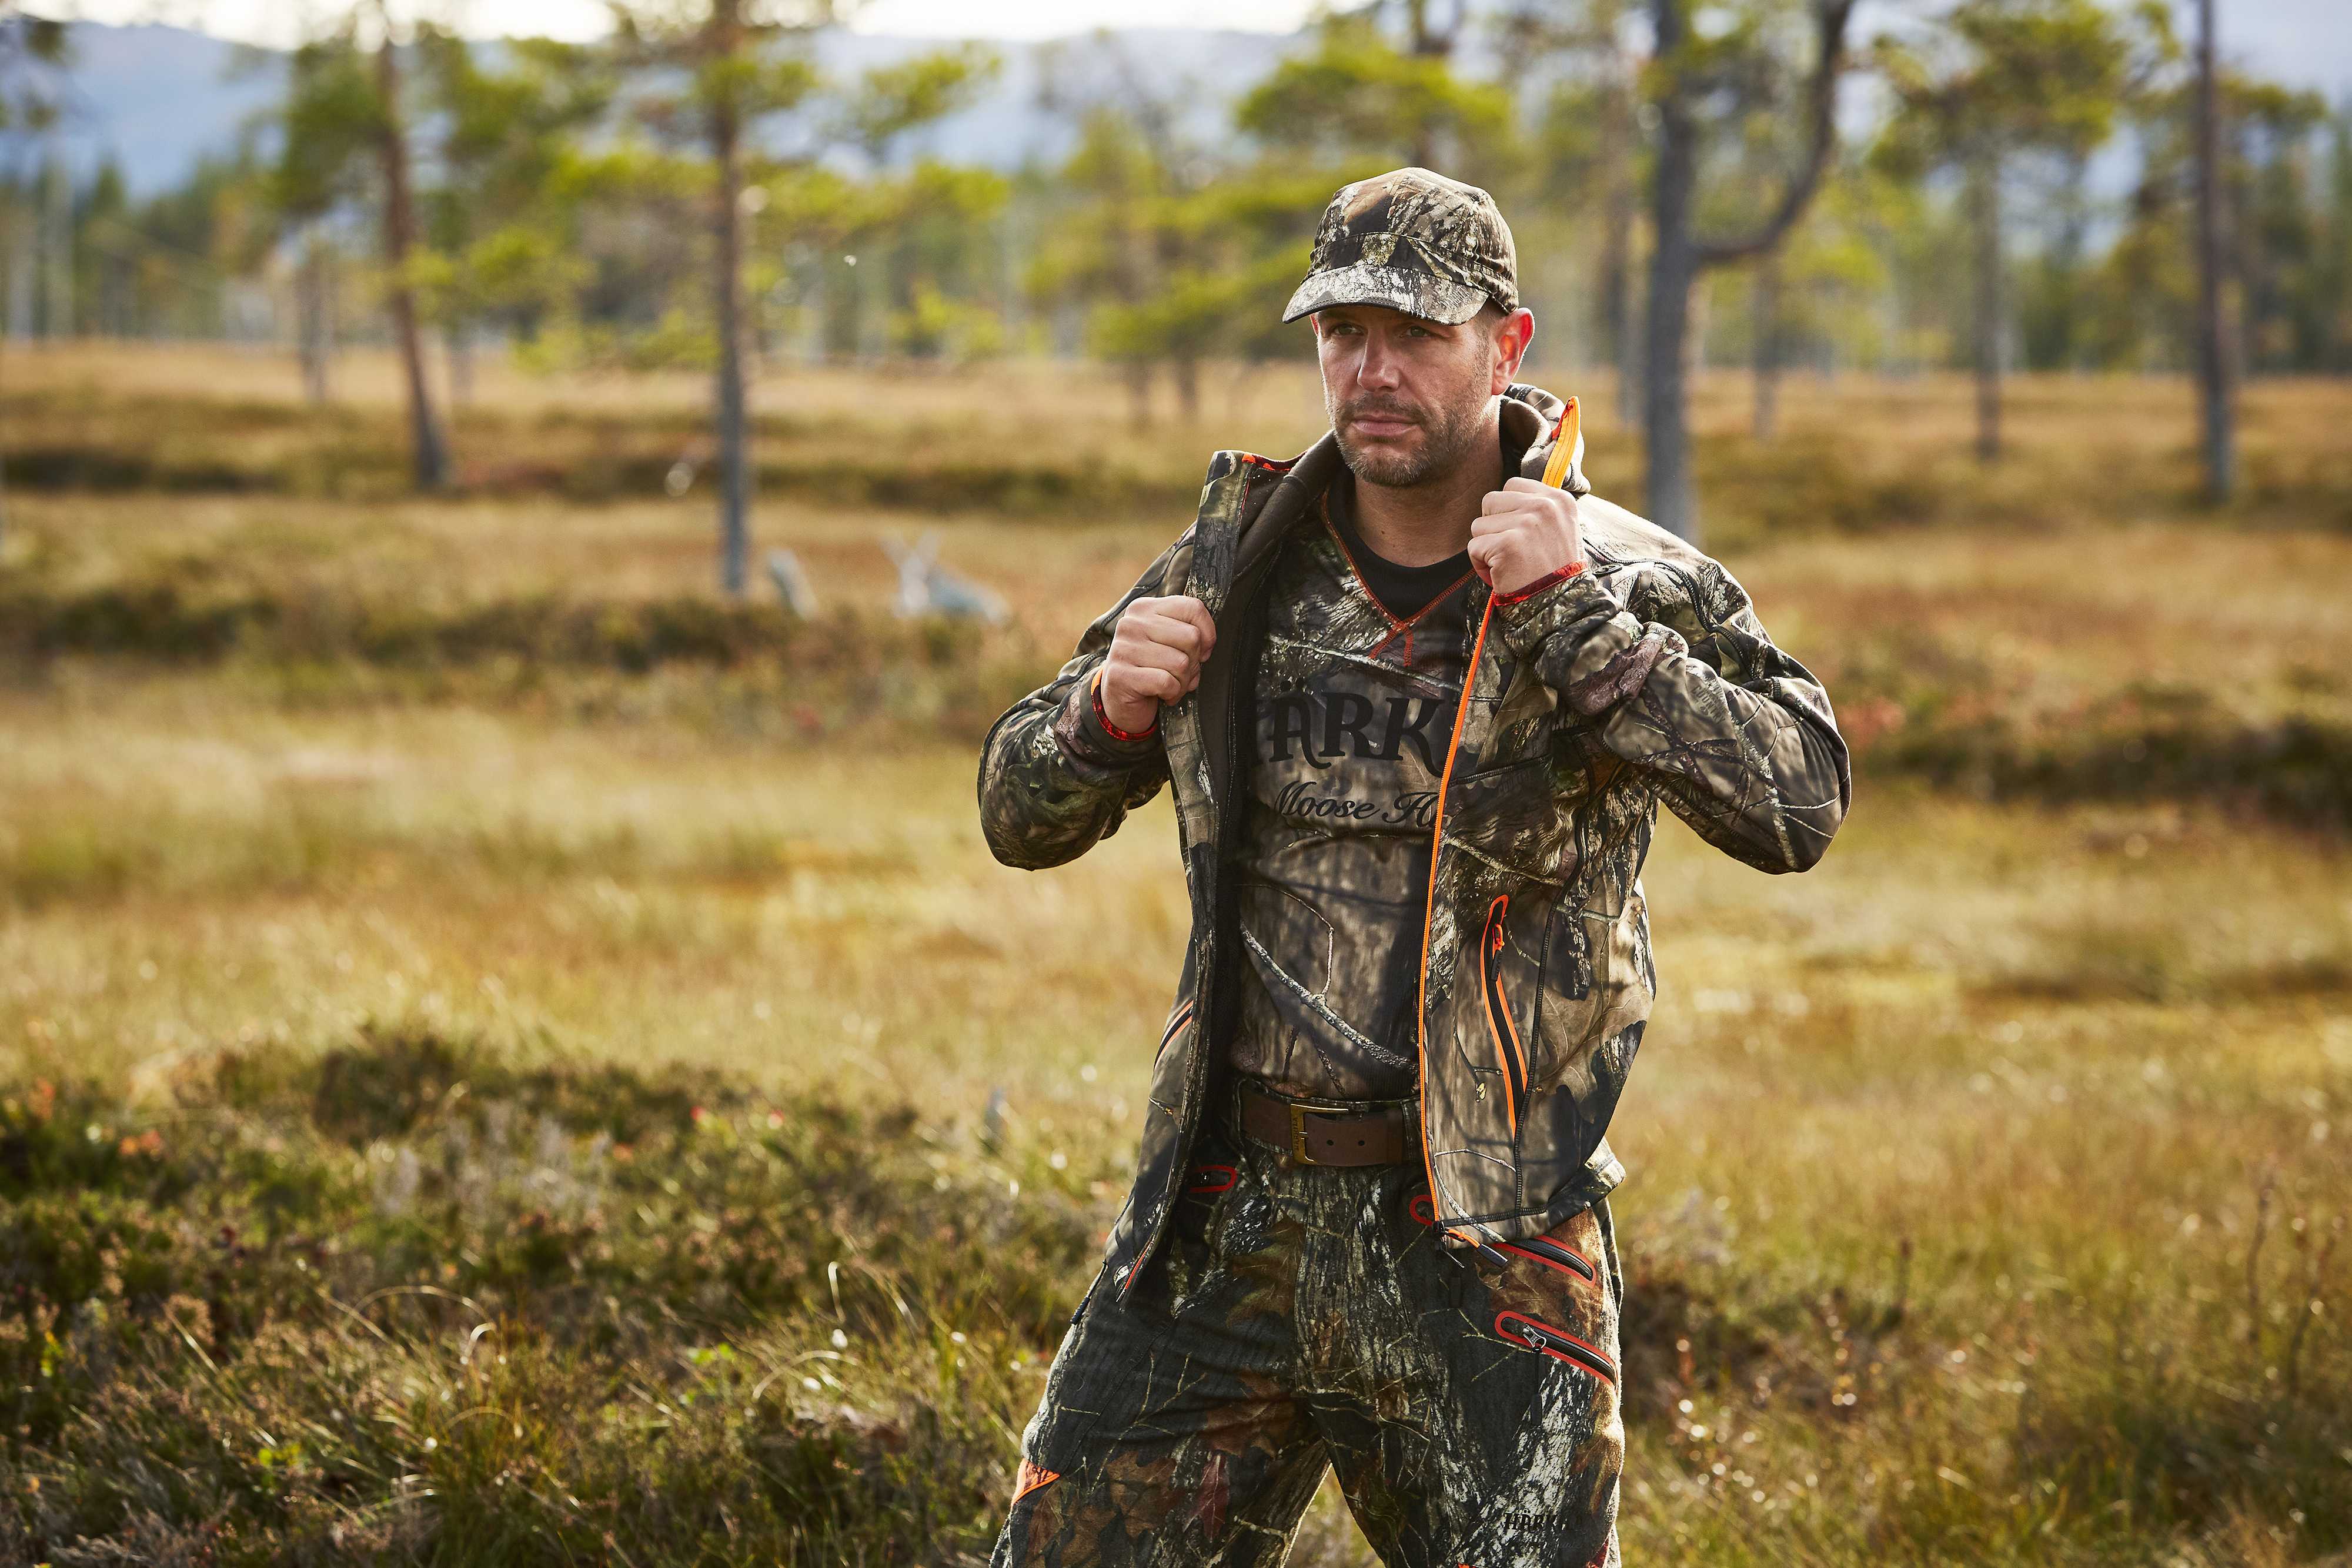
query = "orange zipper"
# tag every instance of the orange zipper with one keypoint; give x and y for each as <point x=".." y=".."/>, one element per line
<point x="1508" y="1053"/>
<point x="1429" y="910"/>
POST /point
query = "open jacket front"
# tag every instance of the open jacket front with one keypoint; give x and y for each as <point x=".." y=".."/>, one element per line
<point x="1644" y="677"/>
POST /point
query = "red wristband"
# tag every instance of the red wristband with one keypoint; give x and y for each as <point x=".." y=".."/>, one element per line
<point x="1539" y="584"/>
<point x="1094" y="691"/>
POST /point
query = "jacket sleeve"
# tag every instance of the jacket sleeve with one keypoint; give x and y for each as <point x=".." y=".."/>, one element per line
<point x="1053" y="782"/>
<point x="1680" y="680"/>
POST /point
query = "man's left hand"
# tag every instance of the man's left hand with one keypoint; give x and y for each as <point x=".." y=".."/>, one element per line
<point x="1525" y="532"/>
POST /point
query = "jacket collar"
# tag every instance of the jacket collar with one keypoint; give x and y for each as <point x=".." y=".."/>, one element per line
<point x="1531" y="418"/>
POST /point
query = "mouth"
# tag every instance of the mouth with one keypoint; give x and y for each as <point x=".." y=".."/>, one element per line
<point x="1381" y="426"/>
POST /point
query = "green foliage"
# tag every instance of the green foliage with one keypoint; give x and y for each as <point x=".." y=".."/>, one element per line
<point x="160" y="621"/>
<point x="412" y="1301"/>
<point x="505" y="218"/>
<point x="1175" y="270"/>
<point x="1359" y="102"/>
<point x="33" y="52"/>
<point x="893" y="99"/>
<point x="2294" y="232"/>
<point x="2009" y="75"/>
<point x="329" y="126"/>
<point x="408" y="1298"/>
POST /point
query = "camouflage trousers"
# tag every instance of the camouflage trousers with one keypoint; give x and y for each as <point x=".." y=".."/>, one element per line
<point x="1298" y="1318"/>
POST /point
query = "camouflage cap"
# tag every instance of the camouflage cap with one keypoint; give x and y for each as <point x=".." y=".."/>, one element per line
<point x="1414" y="242"/>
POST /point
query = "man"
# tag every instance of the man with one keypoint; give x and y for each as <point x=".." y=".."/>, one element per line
<point x="1417" y="709"/>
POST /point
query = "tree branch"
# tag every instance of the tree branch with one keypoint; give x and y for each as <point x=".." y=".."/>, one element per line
<point x="1834" y="16"/>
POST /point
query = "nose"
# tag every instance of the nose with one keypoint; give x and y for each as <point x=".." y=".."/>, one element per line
<point x="1377" y="369"/>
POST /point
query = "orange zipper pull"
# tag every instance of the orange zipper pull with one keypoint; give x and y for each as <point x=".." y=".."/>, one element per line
<point x="1563" y="451"/>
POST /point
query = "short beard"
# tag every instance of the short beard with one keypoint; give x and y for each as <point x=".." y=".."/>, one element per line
<point x="1449" y="436"/>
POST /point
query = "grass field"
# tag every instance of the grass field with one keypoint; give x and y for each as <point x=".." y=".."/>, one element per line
<point x="496" y="1048"/>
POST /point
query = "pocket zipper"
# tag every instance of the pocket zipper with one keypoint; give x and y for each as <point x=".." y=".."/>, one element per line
<point x="1213" y="1178"/>
<point x="1517" y="1328"/>
<point x="1498" y="1012"/>
<point x="1553" y="1255"/>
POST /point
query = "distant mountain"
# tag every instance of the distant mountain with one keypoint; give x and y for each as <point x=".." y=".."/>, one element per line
<point x="158" y="98"/>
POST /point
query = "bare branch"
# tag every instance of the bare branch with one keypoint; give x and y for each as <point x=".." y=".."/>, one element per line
<point x="1834" y="16"/>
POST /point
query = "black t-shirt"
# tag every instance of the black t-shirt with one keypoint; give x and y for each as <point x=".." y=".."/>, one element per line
<point x="1404" y="592"/>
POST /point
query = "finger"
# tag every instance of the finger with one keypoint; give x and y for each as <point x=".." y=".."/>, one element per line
<point x="1148" y="629"/>
<point x="1489" y="525"/>
<point x="1161" y="685"/>
<point x="1528" y="486"/>
<point x="1158" y="657"/>
<point x="1198" y="614"/>
<point x="1498" y="501"/>
<point x="1171" y="631"/>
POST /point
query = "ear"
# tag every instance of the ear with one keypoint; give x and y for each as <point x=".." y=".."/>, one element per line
<point x="1513" y="333"/>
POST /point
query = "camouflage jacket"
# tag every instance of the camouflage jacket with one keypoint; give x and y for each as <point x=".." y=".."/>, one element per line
<point x="1644" y="677"/>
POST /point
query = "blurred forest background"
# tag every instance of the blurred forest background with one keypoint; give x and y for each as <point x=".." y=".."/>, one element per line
<point x="512" y="1050"/>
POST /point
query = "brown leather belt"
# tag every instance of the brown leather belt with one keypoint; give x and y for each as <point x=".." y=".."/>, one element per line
<point x="1314" y="1132"/>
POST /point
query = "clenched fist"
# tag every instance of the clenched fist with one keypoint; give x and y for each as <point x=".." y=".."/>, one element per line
<point x="1525" y="532"/>
<point x="1155" y="657"/>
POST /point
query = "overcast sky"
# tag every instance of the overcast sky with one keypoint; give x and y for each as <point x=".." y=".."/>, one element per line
<point x="280" y="22"/>
<point x="2308" y="42"/>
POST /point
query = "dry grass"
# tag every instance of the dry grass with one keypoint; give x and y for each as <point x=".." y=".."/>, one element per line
<point x="1983" y="1180"/>
<point x="2053" y="1057"/>
<point x="1061" y="441"/>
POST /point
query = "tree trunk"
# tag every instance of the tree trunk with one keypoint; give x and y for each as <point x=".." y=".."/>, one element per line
<point x="726" y="314"/>
<point x="1767" y="329"/>
<point x="1679" y="254"/>
<point x="1427" y="41"/>
<point x="430" y="454"/>
<point x="1674" y="268"/>
<point x="2067" y="257"/>
<point x="60" y="289"/>
<point x="1139" y="393"/>
<point x="315" y="320"/>
<point x="24" y="264"/>
<point x="1186" y="370"/>
<point x="457" y="344"/>
<point x="4" y="346"/>
<point x="1618" y="205"/>
<point x="2216" y="367"/>
<point x="1984" y="217"/>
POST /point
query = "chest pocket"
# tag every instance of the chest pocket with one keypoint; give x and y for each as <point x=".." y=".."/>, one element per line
<point x="1509" y="815"/>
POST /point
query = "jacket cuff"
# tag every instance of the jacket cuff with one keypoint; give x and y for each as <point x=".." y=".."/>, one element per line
<point x="1552" y="579"/>
<point x="1087" y="737"/>
<point x="1598" y="653"/>
<point x="1574" y="602"/>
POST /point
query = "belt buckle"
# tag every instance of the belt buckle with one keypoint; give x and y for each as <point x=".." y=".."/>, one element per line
<point x="1299" y="1110"/>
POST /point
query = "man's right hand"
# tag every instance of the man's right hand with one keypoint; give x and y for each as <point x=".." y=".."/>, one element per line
<point x="1156" y="653"/>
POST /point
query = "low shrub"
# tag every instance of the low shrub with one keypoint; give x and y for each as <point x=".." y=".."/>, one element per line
<point x="411" y="1299"/>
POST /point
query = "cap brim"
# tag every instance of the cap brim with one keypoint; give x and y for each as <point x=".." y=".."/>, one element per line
<point x="1415" y="293"/>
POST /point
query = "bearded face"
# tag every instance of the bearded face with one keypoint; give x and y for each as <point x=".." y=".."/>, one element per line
<point x="1407" y="397"/>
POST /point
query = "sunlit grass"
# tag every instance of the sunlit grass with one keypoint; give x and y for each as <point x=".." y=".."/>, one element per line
<point x="2021" y="1077"/>
<point x="449" y="1105"/>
